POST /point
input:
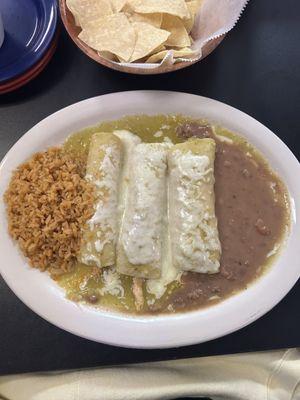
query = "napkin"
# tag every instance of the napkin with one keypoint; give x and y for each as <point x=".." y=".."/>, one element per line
<point x="273" y="375"/>
<point x="215" y="18"/>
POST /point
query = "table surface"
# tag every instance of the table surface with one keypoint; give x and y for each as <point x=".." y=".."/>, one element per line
<point x="255" y="69"/>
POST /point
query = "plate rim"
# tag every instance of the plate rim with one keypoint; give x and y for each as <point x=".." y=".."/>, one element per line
<point x="162" y="328"/>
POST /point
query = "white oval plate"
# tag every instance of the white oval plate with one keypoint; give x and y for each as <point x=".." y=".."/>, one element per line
<point x="45" y="298"/>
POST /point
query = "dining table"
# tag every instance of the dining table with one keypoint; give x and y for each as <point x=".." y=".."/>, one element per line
<point x="255" y="69"/>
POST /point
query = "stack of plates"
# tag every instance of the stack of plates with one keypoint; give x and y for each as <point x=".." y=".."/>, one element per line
<point x="30" y="38"/>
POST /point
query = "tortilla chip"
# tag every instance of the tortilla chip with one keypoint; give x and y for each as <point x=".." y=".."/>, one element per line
<point x="152" y="19"/>
<point x="91" y="24"/>
<point x="194" y="7"/>
<point x="182" y="53"/>
<point x="157" y="50"/>
<point x="143" y="59"/>
<point x="88" y="10"/>
<point x="76" y="18"/>
<point x="179" y="36"/>
<point x="173" y="7"/>
<point x="117" y="5"/>
<point x="148" y="38"/>
<point x="114" y="34"/>
<point x="107" y="55"/>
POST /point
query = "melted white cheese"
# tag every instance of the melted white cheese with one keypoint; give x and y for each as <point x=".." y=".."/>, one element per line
<point x="169" y="273"/>
<point x="193" y="225"/>
<point x="111" y="278"/>
<point x="145" y="231"/>
<point x="104" y="222"/>
<point x="141" y="232"/>
<point x="224" y="138"/>
<point x="112" y="283"/>
<point x="129" y="141"/>
<point x="158" y="134"/>
<point x="105" y="210"/>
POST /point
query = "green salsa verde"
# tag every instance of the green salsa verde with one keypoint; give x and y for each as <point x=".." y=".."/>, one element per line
<point x="239" y="170"/>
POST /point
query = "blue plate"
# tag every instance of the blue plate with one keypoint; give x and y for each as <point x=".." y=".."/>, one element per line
<point x="29" y="27"/>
